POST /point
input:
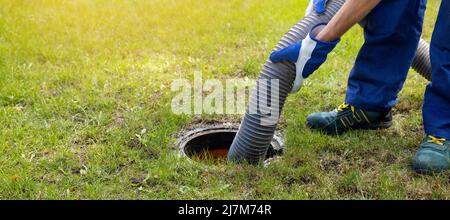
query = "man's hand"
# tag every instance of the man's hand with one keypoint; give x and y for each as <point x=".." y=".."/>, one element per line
<point x="307" y="55"/>
<point x="318" y="6"/>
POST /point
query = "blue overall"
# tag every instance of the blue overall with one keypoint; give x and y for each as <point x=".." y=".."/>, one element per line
<point x="392" y="33"/>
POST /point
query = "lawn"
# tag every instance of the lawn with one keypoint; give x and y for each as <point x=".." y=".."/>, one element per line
<point x="85" y="105"/>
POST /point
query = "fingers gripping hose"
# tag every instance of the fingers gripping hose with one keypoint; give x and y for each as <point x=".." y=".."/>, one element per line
<point x="258" y="126"/>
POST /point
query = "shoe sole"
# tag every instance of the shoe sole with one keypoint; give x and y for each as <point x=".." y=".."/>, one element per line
<point x="376" y="126"/>
<point x="372" y="126"/>
<point x="424" y="171"/>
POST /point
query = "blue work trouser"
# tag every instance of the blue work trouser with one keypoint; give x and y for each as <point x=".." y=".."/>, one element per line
<point x="436" y="107"/>
<point x="392" y="33"/>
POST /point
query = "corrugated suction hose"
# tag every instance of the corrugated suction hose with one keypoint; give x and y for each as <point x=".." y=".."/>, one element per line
<point x="258" y="126"/>
<point x="422" y="62"/>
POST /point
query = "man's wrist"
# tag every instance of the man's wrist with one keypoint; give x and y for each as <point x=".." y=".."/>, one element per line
<point x="324" y="36"/>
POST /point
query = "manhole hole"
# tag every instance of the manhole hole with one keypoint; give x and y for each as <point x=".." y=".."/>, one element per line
<point x="213" y="143"/>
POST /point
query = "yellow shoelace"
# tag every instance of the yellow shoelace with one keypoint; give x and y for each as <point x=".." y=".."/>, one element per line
<point x="344" y="106"/>
<point x="439" y="141"/>
<point x="357" y="117"/>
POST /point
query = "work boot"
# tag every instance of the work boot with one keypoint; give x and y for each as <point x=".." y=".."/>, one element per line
<point x="347" y="117"/>
<point x="433" y="155"/>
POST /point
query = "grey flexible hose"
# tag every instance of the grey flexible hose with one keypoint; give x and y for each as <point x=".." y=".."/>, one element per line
<point x="254" y="136"/>
<point x="422" y="61"/>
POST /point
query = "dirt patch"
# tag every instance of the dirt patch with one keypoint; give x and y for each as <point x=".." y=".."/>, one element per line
<point x="304" y="179"/>
<point x="330" y="164"/>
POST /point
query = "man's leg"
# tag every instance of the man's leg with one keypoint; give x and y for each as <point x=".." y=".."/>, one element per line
<point x="392" y="32"/>
<point x="434" y="152"/>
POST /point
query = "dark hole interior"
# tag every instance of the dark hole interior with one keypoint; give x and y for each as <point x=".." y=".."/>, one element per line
<point x="215" y="145"/>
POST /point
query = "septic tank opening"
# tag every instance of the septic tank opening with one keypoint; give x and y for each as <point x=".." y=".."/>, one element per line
<point x="213" y="142"/>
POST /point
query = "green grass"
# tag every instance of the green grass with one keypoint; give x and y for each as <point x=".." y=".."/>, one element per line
<point x="85" y="105"/>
